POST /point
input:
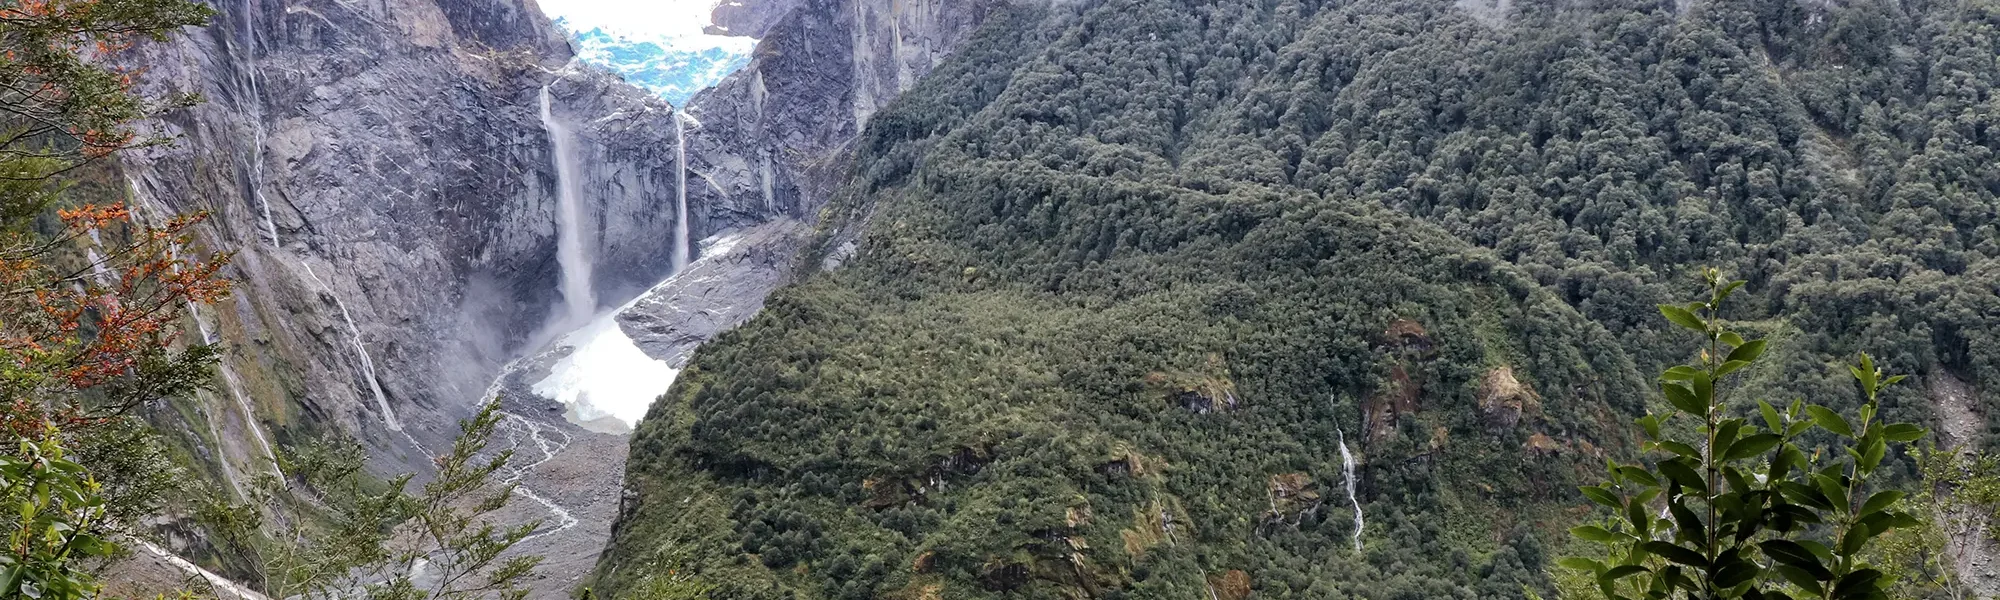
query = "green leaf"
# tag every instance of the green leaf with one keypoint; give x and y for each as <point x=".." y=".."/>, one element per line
<point x="1676" y="553"/>
<point x="1640" y="475"/>
<point x="1682" y="474"/>
<point x="1651" y="425"/>
<point x="1753" y="445"/>
<point x="1623" y="571"/>
<point x="1642" y="523"/>
<point x="1727" y="289"/>
<point x="1831" y="488"/>
<point x="1831" y="421"/>
<point x="1795" y="555"/>
<point x="1904" y="520"/>
<point x="1704" y="388"/>
<point x="1881" y="501"/>
<point x="1602" y="496"/>
<point x="1854" y="584"/>
<point x="1854" y="539"/>
<point x="1872" y="452"/>
<point x="1799" y="514"/>
<point x="1800" y="577"/>
<point x="1748" y="352"/>
<point x="1680" y="373"/>
<point x="1902" y="432"/>
<point x="1771" y="418"/>
<point x="1690" y="524"/>
<point x="1866" y="373"/>
<point x="1581" y="564"/>
<point x="1594" y="533"/>
<point x="1737" y="573"/>
<point x="1684" y="399"/>
<point x="1681" y="449"/>
<point x="1731" y="338"/>
<point x="1731" y="367"/>
<point x="1681" y="316"/>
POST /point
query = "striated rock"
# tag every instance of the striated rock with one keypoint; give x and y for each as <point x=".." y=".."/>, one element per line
<point x="1504" y="399"/>
<point x="383" y="173"/>
<point x="725" y="287"/>
<point x="772" y="138"/>
<point x="1233" y="584"/>
<point x="1001" y="575"/>
<point x="1293" y="495"/>
<point x="1397" y="397"/>
<point x="384" y="176"/>
<point x="1543" y="445"/>
<point x="1408" y="339"/>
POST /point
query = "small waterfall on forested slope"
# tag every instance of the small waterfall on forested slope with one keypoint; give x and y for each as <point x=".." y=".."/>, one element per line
<point x="579" y="300"/>
<point x="680" y="191"/>
<point x="247" y="37"/>
<point x="360" y="352"/>
<point x="1347" y="468"/>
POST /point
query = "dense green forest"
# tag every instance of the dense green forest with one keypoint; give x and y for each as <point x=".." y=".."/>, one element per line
<point x="1132" y="271"/>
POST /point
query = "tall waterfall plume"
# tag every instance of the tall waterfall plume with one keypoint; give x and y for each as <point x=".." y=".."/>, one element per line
<point x="1347" y="468"/>
<point x="579" y="301"/>
<point x="680" y="191"/>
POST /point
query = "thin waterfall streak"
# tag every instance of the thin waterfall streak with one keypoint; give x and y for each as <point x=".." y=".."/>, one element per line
<point x="681" y="250"/>
<point x="229" y="379"/>
<point x="255" y="100"/>
<point x="579" y="300"/>
<point x="214" y="580"/>
<point x="361" y="353"/>
<point x="243" y="405"/>
<point x="1347" y="468"/>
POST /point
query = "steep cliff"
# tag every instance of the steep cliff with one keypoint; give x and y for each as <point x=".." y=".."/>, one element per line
<point x="772" y="137"/>
<point x="383" y="175"/>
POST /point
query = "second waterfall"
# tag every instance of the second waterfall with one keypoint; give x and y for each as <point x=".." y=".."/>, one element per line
<point x="579" y="301"/>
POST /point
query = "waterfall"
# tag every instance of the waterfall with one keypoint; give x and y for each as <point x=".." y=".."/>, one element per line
<point x="97" y="269"/>
<point x="1347" y="468"/>
<point x="144" y="204"/>
<point x="578" y="300"/>
<point x="248" y="38"/>
<point x="360" y="352"/>
<point x="680" y="191"/>
<point x="220" y="583"/>
<point x="242" y="402"/>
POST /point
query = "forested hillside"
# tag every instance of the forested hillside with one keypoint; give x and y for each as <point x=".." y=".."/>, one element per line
<point x="1132" y="271"/>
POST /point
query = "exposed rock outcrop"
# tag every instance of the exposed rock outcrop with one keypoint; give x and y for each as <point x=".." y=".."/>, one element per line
<point x="1503" y="399"/>
<point x="772" y="137"/>
<point x="383" y="174"/>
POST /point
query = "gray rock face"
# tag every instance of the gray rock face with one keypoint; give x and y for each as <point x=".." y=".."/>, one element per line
<point x="399" y="152"/>
<point x="773" y="136"/>
<point x="715" y="294"/>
